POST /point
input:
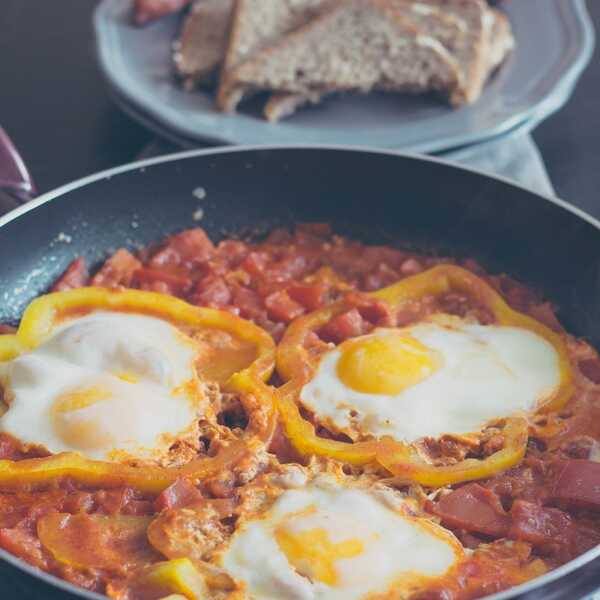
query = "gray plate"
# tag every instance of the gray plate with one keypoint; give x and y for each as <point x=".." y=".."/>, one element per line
<point x="555" y="40"/>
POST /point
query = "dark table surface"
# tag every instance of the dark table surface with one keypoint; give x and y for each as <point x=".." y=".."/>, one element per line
<point x="55" y="106"/>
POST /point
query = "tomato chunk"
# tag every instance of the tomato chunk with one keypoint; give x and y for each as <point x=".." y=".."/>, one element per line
<point x="118" y="270"/>
<point x="255" y="263"/>
<point x="178" y="494"/>
<point x="177" y="284"/>
<point x="590" y="369"/>
<point x="310" y="296"/>
<point x="347" y="325"/>
<point x="280" y="307"/>
<point x="212" y="291"/>
<point x="187" y="249"/>
<point x="75" y="276"/>
<point x="577" y="484"/>
<point x="249" y="303"/>
<point x="474" y="508"/>
<point x="545" y="528"/>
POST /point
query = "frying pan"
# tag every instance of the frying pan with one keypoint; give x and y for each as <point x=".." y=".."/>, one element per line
<point x="382" y="197"/>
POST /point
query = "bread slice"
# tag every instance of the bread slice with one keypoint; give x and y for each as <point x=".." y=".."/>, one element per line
<point x="503" y="41"/>
<point x="283" y="104"/>
<point x="451" y="23"/>
<point x="472" y="49"/>
<point x="256" y="24"/>
<point x="200" y="49"/>
<point x="355" y="45"/>
<point x="444" y="27"/>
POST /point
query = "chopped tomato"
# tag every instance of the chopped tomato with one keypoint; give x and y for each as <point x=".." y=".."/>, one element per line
<point x="186" y="249"/>
<point x="249" y="303"/>
<point x="255" y="263"/>
<point x="577" y="484"/>
<point x="474" y="508"/>
<point x="176" y="284"/>
<point x="347" y="325"/>
<point x="309" y="296"/>
<point x="545" y="314"/>
<point x="118" y="270"/>
<point x="548" y="529"/>
<point x="411" y="266"/>
<point x="75" y="276"/>
<point x="280" y="307"/>
<point x="178" y="494"/>
<point x="591" y="369"/>
<point x="23" y="542"/>
<point x="212" y="291"/>
<point x="289" y="267"/>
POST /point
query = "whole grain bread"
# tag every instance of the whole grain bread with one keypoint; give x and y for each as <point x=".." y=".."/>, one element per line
<point x="283" y="104"/>
<point x="354" y="45"/>
<point x="442" y="26"/>
<point x="503" y="41"/>
<point x="256" y="24"/>
<point x="200" y="49"/>
<point x="472" y="49"/>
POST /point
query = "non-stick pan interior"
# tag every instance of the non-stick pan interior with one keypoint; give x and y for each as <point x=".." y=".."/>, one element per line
<point x="376" y="197"/>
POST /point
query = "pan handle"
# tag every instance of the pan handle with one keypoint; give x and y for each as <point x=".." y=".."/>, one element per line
<point x="16" y="184"/>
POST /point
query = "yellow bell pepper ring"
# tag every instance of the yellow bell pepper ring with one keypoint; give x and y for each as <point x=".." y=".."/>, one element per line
<point x="448" y="278"/>
<point x="256" y="397"/>
<point x="400" y="459"/>
<point x="31" y="473"/>
<point x="404" y="462"/>
<point x="41" y="315"/>
<point x="296" y="364"/>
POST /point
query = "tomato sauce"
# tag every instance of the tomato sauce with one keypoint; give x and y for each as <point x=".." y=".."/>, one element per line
<point x="531" y="518"/>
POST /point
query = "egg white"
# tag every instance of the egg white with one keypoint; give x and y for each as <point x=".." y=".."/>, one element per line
<point x="136" y="377"/>
<point x="485" y="373"/>
<point x="392" y="551"/>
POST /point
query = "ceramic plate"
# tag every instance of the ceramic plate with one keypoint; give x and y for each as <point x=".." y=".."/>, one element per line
<point x="554" y="42"/>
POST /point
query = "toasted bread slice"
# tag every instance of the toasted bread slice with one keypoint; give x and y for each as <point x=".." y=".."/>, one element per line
<point x="283" y="104"/>
<point x="356" y="45"/>
<point x="471" y="50"/>
<point x="444" y="27"/>
<point x="200" y="49"/>
<point x="502" y="40"/>
<point x="256" y="24"/>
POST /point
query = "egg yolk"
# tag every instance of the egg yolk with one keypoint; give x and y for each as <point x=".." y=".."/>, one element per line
<point x="313" y="554"/>
<point x="384" y="364"/>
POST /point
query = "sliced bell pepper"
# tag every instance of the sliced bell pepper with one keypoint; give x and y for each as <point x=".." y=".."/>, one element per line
<point x="37" y="324"/>
<point x="296" y="364"/>
<point x="34" y="472"/>
<point x="178" y="577"/>
<point x="97" y="541"/>
<point x="446" y="278"/>
<point x="44" y="312"/>
<point x="407" y="465"/>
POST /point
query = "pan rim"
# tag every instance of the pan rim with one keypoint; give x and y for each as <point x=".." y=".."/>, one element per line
<point x="56" y="582"/>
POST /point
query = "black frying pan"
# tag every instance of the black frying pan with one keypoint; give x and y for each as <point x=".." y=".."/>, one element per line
<point x="381" y="197"/>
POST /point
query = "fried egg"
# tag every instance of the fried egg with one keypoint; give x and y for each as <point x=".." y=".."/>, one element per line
<point x="329" y="541"/>
<point x="112" y="386"/>
<point x="439" y="376"/>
